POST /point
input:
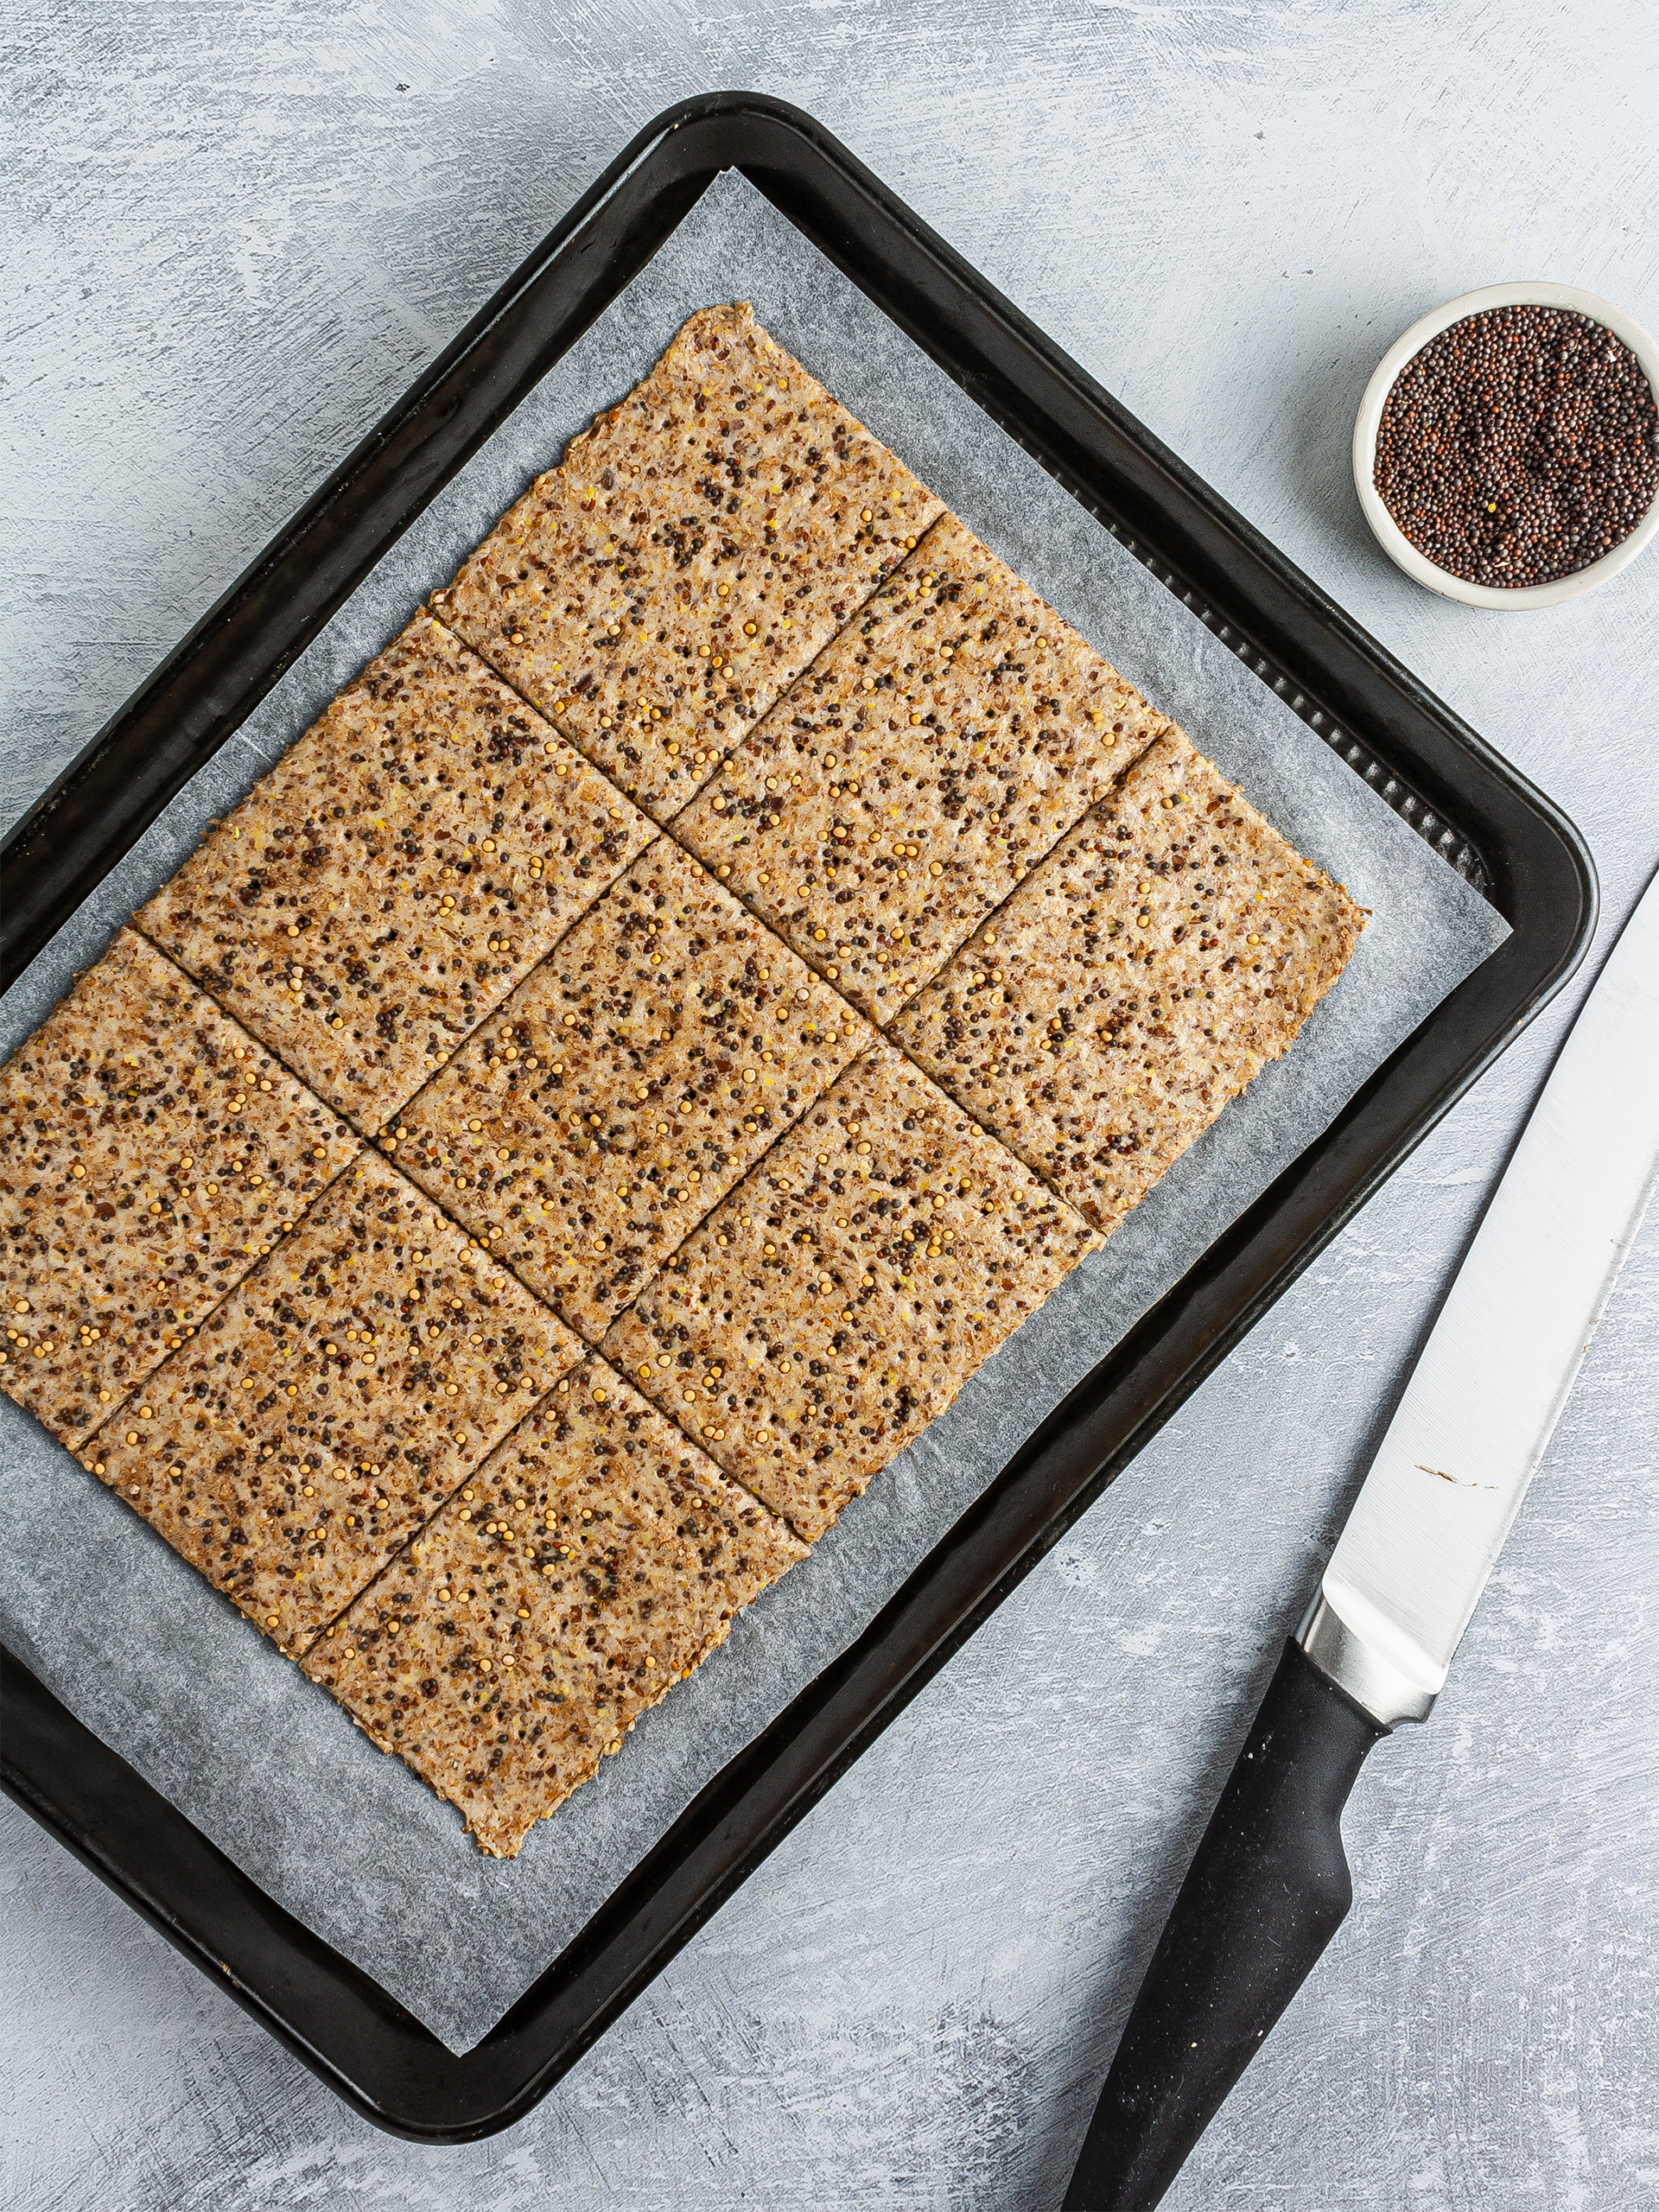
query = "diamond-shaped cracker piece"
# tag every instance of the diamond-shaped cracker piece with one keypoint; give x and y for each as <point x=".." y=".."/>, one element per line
<point x="589" y="1564"/>
<point x="949" y="738"/>
<point x="658" y="590"/>
<point x="839" y="1299"/>
<point x="730" y="422"/>
<point x="406" y="861"/>
<point x="1137" y="980"/>
<point x="150" y="1151"/>
<point x="326" y="1410"/>
<point x="626" y="1086"/>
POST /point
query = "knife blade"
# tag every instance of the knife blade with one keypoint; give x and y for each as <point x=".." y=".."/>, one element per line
<point x="1269" y="1886"/>
<point x="1482" y="1402"/>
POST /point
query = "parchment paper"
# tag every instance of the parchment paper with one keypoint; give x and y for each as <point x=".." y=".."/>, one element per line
<point x="160" y="1666"/>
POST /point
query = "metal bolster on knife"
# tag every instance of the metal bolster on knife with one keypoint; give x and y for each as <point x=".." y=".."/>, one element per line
<point x="1389" y="1686"/>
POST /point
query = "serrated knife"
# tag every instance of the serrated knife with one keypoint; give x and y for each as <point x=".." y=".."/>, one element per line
<point x="1270" y="1887"/>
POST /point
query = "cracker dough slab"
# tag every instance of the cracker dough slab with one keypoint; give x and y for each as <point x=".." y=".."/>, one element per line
<point x="840" y="1298"/>
<point x="591" y="1563"/>
<point x="1136" y="980"/>
<point x="950" y="736"/>
<point x="326" y="1410"/>
<point x="403" y="865"/>
<point x="692" y="552"/>
<point x="150" y="1151"/>
<point x="626" y="1086"/>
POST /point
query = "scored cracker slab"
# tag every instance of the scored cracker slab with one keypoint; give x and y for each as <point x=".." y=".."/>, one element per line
<point x="839" y="1299"/>
<point x="687" y="557"/>
<point x="328" y="1407"/>
<point x="1134" y="982"/>
<point x="946" y="740"/>
<point x="626" y="1086"/>
<point x="591" y="1563"/>
<point x="150" y="1151"/>
<point x="382" y="1446"/>
<point x="404" y="863"/>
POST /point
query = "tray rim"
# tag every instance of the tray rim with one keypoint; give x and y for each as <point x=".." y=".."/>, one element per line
<point x="331" y="2014"/>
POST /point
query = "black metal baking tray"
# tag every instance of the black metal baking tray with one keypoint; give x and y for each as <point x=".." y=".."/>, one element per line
<point x="1486" y="820"/>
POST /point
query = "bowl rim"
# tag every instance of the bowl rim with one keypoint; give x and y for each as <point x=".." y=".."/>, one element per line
<point x="1387" y="531"/>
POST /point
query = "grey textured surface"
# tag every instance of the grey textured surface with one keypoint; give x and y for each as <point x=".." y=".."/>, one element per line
<point x="364" y="1854"/>
<point x="238" y="240"/>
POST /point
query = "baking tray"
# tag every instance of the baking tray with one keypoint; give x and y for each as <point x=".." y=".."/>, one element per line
<point x="1485" y="820"/>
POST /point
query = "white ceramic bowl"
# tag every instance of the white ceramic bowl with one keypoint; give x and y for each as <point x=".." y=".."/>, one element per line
<point x="1387" y="531"/>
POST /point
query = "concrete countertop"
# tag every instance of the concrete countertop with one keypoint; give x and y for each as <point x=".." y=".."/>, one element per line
<point x="237" y="232"/>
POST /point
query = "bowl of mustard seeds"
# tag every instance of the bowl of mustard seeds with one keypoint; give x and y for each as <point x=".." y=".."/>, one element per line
<point x="1506" y="452"/>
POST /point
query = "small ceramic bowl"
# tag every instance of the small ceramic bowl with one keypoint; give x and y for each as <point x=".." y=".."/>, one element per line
<point x="1387" y="531"/>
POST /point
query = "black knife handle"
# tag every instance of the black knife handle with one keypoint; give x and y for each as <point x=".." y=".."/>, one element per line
<point x="1267" y="1891"/>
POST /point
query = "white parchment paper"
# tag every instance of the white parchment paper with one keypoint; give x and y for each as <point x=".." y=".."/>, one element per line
<point x="161" y="1667"/>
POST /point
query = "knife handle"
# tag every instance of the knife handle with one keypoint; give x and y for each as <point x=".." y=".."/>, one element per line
<point x="1268" y="1889"/>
